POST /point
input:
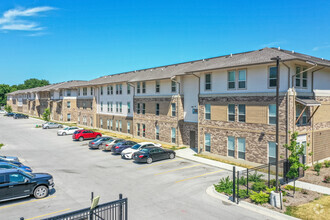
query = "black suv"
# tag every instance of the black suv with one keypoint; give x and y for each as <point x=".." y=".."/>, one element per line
<point x="16" y="184"/>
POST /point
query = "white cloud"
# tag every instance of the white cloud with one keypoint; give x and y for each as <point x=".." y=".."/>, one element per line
<point x="321" y="47"/>
<point x="13" y="19"/>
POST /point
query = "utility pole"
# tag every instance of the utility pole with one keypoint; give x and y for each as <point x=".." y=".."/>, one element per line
<point x="277" y="59"/>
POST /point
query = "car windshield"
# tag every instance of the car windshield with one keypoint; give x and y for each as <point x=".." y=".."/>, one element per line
<point x="28" y="174"/>
<point x="76" y="132"/>
<point x="145" y="150"/>
<point x="136" y="146"/>
<point x="97" y="139"/>
<point x="67" y="128"/>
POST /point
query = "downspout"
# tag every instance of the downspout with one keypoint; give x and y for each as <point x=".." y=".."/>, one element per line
<point x="287" y="110"/>
<point x="199" y="85"/>
<point x="313" y="109"/>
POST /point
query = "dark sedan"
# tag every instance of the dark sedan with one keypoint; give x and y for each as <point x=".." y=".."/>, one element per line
<point x="97" y="142"/>
<point x="10" y="114"/>
<point x="17" y="116"/>
<point x="119" y="147"/>
<point x="150" y="154"/>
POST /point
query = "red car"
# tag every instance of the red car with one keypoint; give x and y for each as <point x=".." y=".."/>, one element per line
<point x="85" y="134"/>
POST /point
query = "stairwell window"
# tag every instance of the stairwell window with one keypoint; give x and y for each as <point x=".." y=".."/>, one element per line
<point x="272" y="76"/>
<point x="173" y="135"/>
<point x="85" y="91"/>
<point x="298" y="70"/>
<point x="173" y="108"/>
<point x="157" y="108"/>
<point x="304" y="79"/>
<point x="138" y="109"/>
<point x="208" y="82"/>
<point x="138" y="87"/>
<point x="68" y="92"/>
<point x="111" y="90"/>
<point x="143" y="87"/>
<point x="272" y="114"/>
<point x="92" y="90"/>
<point x="143" y="108"/>
<point x="301" y="77"/>
<point x="108" y="90"/>
<point x="173" y="86"/>
<point x="128" y="89"/>
<point x="68" y="104"/>
<point x="157" y="86"/>
<point x="117" y="89"/>
<point x="241" y="113"/>
<point x="120" y="89"/>
<point x="68" y="117"/>
<point x="242" y="79"/>
<point x="128" y="107"/>
<point x="271" y="152"/>
<point x="231" y="79"/>
<point x="231" y="146"/>
<point x="207" y="142"/>
<point x="120" y="107"/>
<point x="241" y="148"/>
<point x="231" y="112"/>
<point x="207" y="111"/>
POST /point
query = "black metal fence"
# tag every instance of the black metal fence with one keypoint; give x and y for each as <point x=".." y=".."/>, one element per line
<point x="115" y="210"/>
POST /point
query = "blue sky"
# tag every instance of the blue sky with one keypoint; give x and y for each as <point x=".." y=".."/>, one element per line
<point x="62" y="40"/>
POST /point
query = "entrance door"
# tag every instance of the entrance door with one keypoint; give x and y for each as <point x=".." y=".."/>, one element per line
<point x="192" y="139"/>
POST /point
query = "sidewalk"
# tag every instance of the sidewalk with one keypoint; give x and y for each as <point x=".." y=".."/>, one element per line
<point x="188" y="154"/>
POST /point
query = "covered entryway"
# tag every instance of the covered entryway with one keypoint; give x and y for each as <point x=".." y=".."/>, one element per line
<point x="192" y="138"/>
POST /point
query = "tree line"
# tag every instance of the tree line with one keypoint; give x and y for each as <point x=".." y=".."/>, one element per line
<point x="28" y="84"/>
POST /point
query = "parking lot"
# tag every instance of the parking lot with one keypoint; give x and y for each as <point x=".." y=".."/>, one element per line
<point x="168" y="189"/>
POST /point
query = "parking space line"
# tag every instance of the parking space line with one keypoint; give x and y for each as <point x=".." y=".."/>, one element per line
<point x="169" y="171"/>
<point x="48" y="214"/>
<point x="155" y="164"/>
<point x="22" y="203"/>
<point x="194" y="177"/>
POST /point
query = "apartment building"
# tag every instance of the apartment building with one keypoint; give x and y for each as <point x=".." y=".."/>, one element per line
<point x="223" y="105"/>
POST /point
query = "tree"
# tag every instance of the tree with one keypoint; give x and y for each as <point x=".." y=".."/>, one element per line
<point x="8" y="108"/>
<point x="46" y="114"/>
<point x="33" y="82"/>
<point x="296" y="152"/>
<point x="4" y="89"/>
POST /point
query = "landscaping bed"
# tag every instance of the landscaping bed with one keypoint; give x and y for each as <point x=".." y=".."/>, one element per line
<point x="318" y="174"/>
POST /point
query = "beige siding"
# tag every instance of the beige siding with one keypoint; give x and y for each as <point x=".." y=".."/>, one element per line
<point x="219" y="112"/>
<point x="257" y="114"/>
<point x="323" y="113"/>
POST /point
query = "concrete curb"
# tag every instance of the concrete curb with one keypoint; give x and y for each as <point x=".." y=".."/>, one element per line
<point x="258" y="209"/>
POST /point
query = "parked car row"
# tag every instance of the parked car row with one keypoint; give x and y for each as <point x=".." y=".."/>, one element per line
<point x="18" y="181"/>
<point x="144" y="152"/>
<point x="16" y="115"/>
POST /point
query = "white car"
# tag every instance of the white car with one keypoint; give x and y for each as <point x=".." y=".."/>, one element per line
<point x="67" y="130"/>
<point x="128" y="153"/>
<point x="3" y="112"/>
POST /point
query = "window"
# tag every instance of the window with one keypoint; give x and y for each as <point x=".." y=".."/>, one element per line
<point x="138" y="87"/>
<point x="111" y="124"/>
<point x="68" y="104"/>
<point x="173" y="86"/>
<point x="231" y="112"/>
<point x="298" y="76"/>
<point x="173" y="135"/>
<point x="120" y="89"/>
<point x="143" y="87"/>
<point x="231" y="79"/>
<point x="108" y="106"/>
<point x="111" y="106"/>
<point x="304" y="79"/>
<point x="117" y="89"/>
<point x="143" y="108"/>
<point x="242" y="79"/>
<point x="241" y="148"/>
<point x="157" y="86"/>
<point x="304" y="157"/>
<point x="108" y="124"/>
<point x="138" y="129"/>
<point x="78" y="92"/>
<point x="303" y="118"/>
<point x="231" y="146"/>
<point x="301" y="77"/>
<point x="101" y="106"/>
<point x="91" y="120"/>
<point x="111" y="90"/>
<point x="157" y="108"/>
<point x="138" y="109"/>
<point x="157" y="132"/>
<point x="68" y="117"/>
<point x="68" y="92"/>
<point x="128" y="127"/>
<point x="173" y="106"/>
<point x="108" y="90"/>
<point x="101" y="122"/>
<point x="116" y="125"/>
<point x="271" y="152"/>
<point x="241" y="113"/>
<point x="91" y="105"/>
<point x="92" y="90"/>
<point x="120" y="107"/>
<point x="208" y="81"/>
<point x="272" y="76"/>
<point x="128" y="107"/>
<point x="16" y="178"/>
<point x="117" y="105"/>
<point x="120" y="126"/>
<point x="84" y="105"/>
<point x="207" y="142"/>
<point x="143" y="130"/>
<point x="85" y="91"/>
<point x="207" y="111"/>
<point x="128" y="89"/>
<point x="272" y="114"/>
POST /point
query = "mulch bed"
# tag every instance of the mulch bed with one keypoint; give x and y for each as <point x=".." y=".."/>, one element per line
<point x="311" y="176"/>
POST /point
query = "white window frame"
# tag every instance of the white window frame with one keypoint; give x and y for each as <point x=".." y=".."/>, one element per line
<point x="207" y="114"/>
<point x="206" y="84"/>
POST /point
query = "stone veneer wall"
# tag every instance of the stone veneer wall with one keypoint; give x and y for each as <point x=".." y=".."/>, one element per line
<point x="89" y="111"/>
<point x="114" y="118"/>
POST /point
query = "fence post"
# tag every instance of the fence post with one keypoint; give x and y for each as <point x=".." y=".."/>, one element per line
<point x="91" y="211"/>
<point x="269" y="175"/>
<point x="237" y="187"/>
<point x="247" y="181"/>
<point x="120" y="207"/>
<point x="234" y="182"/>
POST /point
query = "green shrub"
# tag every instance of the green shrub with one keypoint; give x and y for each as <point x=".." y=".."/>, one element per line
<point x="269" y="190"/>
<point x="291" y="188"/>
<point x="225" y="185"/>
<point x="255" y="177"/>
<point x="284" y="193"/>
<point x="326" y="179"/>
<point x="284" y="200"/>
<point x="327" y="163"/>
<point x="317" y="168"/>
<point x="242" y="193"/>
<point x="258" y="186"/>
<point x="259" y="198"/>
<point x="242" y="181"/>
<point x="272" y="182"/>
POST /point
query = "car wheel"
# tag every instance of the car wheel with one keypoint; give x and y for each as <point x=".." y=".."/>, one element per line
<point x="46" y="127"/>
<point x="172" y="156"/>
<point x="98" y="136"/>
<point x="40" y="192"/>
<point x="149" y="160"/>
<point x="81" y="138"/>
<point x="63" y="133"/>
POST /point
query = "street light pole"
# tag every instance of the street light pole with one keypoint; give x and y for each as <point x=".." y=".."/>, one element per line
<point x="277" y="59"/>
